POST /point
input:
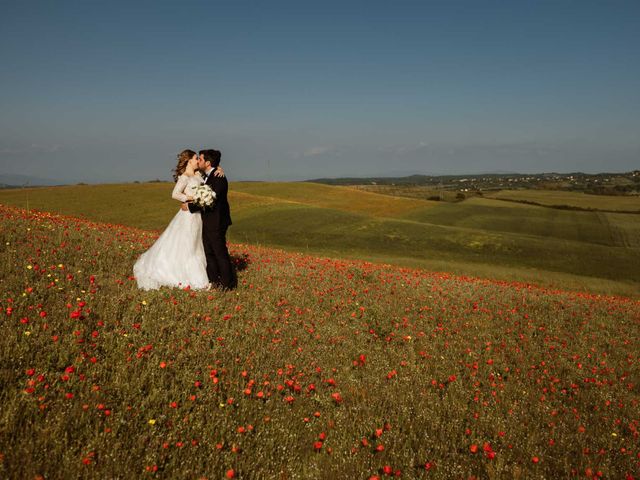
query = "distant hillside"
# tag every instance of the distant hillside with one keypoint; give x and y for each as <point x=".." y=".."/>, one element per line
<point x="479" y="236"/>
<point x="408" y="180"/>
<point x="13" y="181"/>
<point x="627" y="183"/>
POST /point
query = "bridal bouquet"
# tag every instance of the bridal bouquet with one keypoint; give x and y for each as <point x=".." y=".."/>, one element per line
<point x="203" y="196"/>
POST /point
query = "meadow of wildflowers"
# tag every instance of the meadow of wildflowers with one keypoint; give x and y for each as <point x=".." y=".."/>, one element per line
<point x="312" y="368"/>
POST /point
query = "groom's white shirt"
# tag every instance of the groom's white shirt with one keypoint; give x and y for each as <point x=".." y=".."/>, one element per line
<point x="208" y="171"/>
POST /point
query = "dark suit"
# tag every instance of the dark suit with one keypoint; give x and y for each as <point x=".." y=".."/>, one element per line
<point x="215" y="221"/>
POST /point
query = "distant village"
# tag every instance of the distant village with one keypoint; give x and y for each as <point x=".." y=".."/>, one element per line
<point x="599" y="184"/>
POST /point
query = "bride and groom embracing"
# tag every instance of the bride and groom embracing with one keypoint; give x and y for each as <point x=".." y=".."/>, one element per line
<point x="192" y="250"/>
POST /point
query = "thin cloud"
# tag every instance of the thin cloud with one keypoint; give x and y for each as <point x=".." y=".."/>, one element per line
<point x="400" y="150"/>
<point x="320" y="151"/>
<point x="33" y="148"/>
<point x="315" y="151"/>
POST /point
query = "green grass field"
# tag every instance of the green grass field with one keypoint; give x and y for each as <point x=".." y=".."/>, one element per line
<point x="593" y="251"/>
<point x="313" y="368"/>
<point x="413" y="191"/>
<point x="572" y="199"/>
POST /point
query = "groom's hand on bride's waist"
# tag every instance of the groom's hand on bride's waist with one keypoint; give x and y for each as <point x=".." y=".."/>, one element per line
<point x="185" y="207"/>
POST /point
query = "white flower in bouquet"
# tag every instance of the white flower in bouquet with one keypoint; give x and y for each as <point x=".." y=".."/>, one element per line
<point x="203" y="196"/>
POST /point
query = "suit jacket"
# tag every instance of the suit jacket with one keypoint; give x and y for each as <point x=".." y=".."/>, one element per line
<point x="218" y="215"/>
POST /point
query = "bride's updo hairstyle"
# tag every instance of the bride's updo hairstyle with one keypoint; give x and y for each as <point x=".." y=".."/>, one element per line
<point x="183" y="158"/>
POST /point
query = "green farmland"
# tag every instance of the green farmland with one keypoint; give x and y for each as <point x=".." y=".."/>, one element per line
<point x="595" y="250"/>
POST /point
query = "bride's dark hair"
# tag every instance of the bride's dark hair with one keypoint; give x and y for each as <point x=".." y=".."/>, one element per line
<point x="183" y="158"/>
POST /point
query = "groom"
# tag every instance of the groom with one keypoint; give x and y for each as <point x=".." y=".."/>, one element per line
<point x="215" y="221"/>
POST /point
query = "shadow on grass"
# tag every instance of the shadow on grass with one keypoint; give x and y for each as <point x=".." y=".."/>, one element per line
<point x="240" y="261"/>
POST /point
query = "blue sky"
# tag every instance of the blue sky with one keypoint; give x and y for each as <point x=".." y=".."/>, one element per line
<point x="111" y="91"/>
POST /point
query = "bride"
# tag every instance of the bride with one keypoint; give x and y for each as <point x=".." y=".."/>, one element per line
<point x="177" y="257"/>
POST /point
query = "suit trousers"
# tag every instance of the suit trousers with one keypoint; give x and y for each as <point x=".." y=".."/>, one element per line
<point x="219" y="267"/>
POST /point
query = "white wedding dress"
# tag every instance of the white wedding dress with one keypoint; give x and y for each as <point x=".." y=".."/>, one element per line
<point x="177" y="257"/>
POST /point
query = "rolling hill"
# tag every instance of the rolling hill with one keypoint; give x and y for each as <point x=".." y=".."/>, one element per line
<point x="596" y="251"/>
<point x="312" y="368"/>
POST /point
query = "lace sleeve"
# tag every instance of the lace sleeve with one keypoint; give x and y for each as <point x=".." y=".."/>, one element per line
<point x="178" y="190"/>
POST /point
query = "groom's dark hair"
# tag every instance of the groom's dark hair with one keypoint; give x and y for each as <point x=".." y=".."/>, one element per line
<point x="212" y="156"/>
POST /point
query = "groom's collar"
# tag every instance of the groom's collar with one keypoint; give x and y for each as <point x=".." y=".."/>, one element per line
<point x="208" y="172"/>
